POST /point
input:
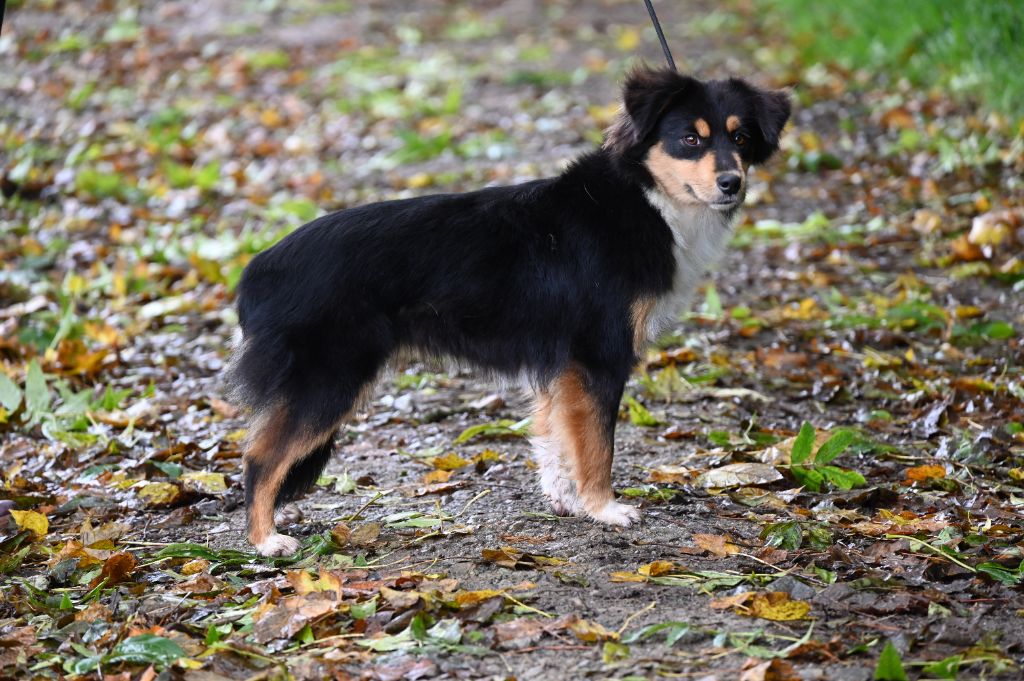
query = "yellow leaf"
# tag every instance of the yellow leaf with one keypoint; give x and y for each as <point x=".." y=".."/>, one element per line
<point x="467" y="599"/>
<point x="591" y="631"/>
<point x="437" y="475"/>
<point x="628" y="40"/>
<point x="194" y="567"/>
<point x="448" y="462"/>
<point x="487" y="455"/>
<point x="33" y="521"/>
<point x="657" y="568"/>
<point x="777" y="606"/>
<point x="204" y="482"/>
<point x="159" y="493"/>
<point x="621" y="576"/>
<point x="419" y="181"/>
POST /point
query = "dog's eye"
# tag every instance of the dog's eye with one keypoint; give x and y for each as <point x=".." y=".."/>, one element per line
<point x="740" y="139"/>
<point x="691" y="140"/>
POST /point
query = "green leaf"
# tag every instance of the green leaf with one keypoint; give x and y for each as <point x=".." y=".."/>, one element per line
<point x="785" y="535"/>
<point x="811" y="478"/>
<point x="147" y="649"/>
<point x="890" y="667"/>
<point x="803" y="445"/>
<point x="834" y="446"/>
<point x="638" y="414"/>
<point x="995" y="330"/>
<point x="675" y="631"/>
<point x="10" y="393"/>
<point x="37" y="395"/>
<point x="842" y="478"/>
<point x="361" y="611"/>
<point x="1001" y="573"/>
<point x="943" y="669"/>
<point x="614" y="652"/>
<point x="502" y="428"/>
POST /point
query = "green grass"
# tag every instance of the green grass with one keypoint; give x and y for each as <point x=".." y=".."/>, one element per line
<point x="973" y="47"/>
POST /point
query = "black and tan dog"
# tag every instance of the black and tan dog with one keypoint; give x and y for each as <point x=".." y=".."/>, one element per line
<point x="558" y="283"/>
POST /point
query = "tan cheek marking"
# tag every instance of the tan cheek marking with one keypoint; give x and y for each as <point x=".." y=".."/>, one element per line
<point x="732" y="123"/>
<point x="702" y="127"/>
<point x="674" y="175"/>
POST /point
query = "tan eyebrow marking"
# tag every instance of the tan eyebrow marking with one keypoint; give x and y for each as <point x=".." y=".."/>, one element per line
<point x="732" y="123"/>
<point x="702" y="127"/>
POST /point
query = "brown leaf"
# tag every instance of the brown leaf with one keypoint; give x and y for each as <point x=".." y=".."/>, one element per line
<point x="515" y="559"/>
<point x="716" y="544"/>
<point x="116" y="569"/>
<point x="365" y="534"/>
<point x="772" y="670"/>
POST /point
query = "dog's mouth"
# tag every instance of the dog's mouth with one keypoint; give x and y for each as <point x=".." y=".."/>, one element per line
<point x="725" y="203"/>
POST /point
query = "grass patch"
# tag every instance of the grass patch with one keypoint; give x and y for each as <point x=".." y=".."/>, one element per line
<point x="973" y="47"/>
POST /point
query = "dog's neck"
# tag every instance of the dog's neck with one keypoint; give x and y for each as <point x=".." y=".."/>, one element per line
<point x="701" y="235"/>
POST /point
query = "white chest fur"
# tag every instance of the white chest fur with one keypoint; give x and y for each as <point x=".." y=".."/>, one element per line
<point x="701" y="236"/>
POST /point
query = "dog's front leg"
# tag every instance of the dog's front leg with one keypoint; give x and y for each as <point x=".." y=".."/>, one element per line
<point x="580" y="418"/>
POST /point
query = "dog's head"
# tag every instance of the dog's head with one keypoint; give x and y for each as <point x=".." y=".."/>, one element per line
<point x="697" y="138"/>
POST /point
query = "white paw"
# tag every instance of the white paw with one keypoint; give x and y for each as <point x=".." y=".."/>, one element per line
<point x="555" y="481"/>
<point x="618" y="514"/>
<point x="278" y="545"/>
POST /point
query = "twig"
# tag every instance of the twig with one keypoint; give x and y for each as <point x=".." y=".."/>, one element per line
<point x="365" y="506"/>
<point x="635" y="615"/>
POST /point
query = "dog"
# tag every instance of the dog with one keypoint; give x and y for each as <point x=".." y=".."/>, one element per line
<point x="558" y="282"/>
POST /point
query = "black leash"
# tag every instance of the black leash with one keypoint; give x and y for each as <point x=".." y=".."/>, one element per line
<point x="661" y="35"/>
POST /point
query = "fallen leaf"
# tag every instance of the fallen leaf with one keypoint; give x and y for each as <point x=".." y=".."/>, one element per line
<point x="738" y="475"/>
<point x="590" y="632"/>
<point x="116" y="569"/>
<point x="716" y="544"/>
<point x="515" y="559"/>
<point x="436" y="476"/>
<point x="926" y="472"/>
<point x="772" y="670"/>
<point x="657" y="568"/>
<point x="33" y="521"/>
<point x="777" y="606"/>
<point x="156" y="494"/>
<point x="204" y="482"/>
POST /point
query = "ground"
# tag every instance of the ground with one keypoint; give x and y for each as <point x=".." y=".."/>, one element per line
<point x="870" y="310"/>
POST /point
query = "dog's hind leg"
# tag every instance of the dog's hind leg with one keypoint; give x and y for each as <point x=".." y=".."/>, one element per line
<point x="281" y="460"/>
<point x="582" y="414"/>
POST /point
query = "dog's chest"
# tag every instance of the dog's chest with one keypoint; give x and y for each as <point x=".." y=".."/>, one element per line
<point x="700" y="236"/>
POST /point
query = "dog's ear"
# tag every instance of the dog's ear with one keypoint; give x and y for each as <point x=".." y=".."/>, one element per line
<point x="771" y="108"/>
<point x="646" y="95"/>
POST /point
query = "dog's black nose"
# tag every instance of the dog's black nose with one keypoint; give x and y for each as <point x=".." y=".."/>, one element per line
<point x="729" y="183"/>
